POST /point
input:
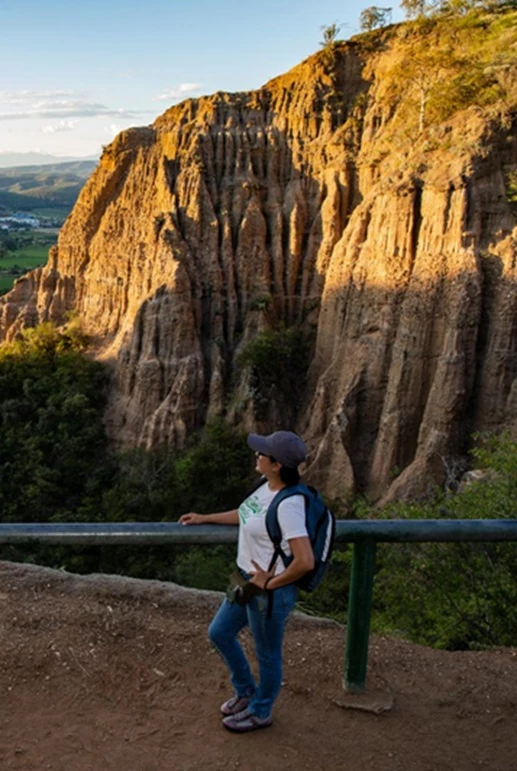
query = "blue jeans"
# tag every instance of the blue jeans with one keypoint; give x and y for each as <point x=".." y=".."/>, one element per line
<point x="268" y="635"/>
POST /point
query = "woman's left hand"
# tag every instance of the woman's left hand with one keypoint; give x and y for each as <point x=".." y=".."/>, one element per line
<point x="260" y="576"/>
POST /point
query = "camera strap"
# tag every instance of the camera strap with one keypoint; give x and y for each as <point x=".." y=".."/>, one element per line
<point x="271" y="592"/>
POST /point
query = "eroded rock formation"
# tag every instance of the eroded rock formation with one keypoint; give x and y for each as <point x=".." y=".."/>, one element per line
<point x="299" y="204"/>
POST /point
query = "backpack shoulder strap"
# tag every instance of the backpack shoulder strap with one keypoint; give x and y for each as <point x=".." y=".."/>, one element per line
<point x="272" y="525"/>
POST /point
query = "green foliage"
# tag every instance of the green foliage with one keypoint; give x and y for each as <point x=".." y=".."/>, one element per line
<point x="51" y="431"/>
<point x="216" y="472"/>
<point x="420" y="8"/>
<point x="456" y="595"/>
<point x="6" y="283"/>
<point x="331" y="597"/>
<point x="213" y="474"/>
<point x="55" y="465"/>
<point x="21" y="251"/>
<point x="28" y="188"/>
<point x="205" y="567"/>
<point x="511" y="187"/>
<point x="142" y="489"/>
<point x="277" y="361"/>
<point x="261" y="302"/>
<point x="160" y="485"/>
<point x="465" y="88"/>
<point x="26" y="258"/>
<point x="468" y="46"/>
<point x="17" y="202"/>
<point x="8" y="243"/>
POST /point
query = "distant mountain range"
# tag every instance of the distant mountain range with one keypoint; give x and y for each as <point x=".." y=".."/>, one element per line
<point x="9" y="160"/>
<point x="34" y="187"/>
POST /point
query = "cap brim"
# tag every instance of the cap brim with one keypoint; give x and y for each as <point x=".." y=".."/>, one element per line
<point x="258" y="444"/>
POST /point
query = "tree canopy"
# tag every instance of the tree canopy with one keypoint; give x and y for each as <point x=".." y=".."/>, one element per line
<point x="373" y="17"/>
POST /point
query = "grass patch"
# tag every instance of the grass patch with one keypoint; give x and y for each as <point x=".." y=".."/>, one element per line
<point x="6" y="282"/>
<point x="448" y="62"/>
<point x="15" y="264"/>
<point x="33" y="254"/>
<point x="26" y="257"/>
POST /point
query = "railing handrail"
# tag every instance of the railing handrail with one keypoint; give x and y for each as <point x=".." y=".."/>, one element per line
<point x="352" y="531"/>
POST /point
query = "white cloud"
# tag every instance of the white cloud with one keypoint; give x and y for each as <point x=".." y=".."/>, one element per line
<point x="58" y="105"/>
<point x="182" y="91"/>
<point x="71" y="110"/>
<point x="62" y="125"/>
<point x="28" y="97"/>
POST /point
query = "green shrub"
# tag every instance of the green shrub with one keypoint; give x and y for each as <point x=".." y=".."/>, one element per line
<point x="51" y="430"/>
<point x="205" y="567"/>
<point x="330" y="599"/>
<point x="462" y="56"/>
<point x="56" y="466"/>
<point x="277" y="361"/>
<point x="456" y="595"/>
<point x="511" y="187"/>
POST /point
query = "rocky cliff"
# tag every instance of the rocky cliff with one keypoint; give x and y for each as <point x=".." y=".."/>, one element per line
<point x="327" y="200"/>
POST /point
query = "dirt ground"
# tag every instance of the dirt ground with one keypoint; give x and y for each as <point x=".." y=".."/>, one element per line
<point x="103" y="673"/>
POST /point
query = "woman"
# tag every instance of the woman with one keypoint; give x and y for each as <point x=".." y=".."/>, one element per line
<point x="278" y="457"/>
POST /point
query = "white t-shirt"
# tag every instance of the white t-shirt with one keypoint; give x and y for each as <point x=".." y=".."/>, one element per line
<point x="254" y="541"/>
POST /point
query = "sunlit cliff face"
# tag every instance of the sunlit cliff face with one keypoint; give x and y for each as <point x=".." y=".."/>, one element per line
<point x="313" y="202"/>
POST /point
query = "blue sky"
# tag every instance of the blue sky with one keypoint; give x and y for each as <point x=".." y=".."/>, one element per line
<point x="75" y="74"/>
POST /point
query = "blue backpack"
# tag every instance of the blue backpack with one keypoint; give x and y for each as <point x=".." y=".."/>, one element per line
<point x="321" y="528"/>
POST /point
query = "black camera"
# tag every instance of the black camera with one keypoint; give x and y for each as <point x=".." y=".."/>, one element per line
<point x="240" y="590"/>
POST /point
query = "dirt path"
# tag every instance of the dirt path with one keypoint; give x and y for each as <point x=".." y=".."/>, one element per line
<point x="103" y="673"/>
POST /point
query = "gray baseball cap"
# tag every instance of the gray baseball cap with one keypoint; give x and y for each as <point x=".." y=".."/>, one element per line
<point x="284" y="446"/>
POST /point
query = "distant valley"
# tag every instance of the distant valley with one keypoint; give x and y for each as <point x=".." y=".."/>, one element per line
<point x="40" y="189"/>
<point x="34" y="203"/>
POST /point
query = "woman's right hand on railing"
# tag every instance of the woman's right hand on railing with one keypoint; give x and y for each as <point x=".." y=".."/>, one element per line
<point x="192" y="519"/>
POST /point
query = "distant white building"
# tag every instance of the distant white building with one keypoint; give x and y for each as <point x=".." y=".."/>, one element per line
<point x="19" y="220"/>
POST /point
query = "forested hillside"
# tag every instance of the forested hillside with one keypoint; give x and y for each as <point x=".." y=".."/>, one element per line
<point x="29" y="188"/>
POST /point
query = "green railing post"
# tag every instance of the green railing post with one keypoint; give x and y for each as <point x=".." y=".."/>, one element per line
<point x="359" y="612"/>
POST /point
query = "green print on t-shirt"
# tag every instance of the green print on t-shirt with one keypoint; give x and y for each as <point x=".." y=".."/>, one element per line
<point x="250" y="508"/>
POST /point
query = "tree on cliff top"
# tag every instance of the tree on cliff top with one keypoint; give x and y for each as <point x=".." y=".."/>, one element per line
<point x="473" y="54"/>
<point x="418" y="8"/>
<point x="415" y="8"/>
<point x="330" y="34"/>
<point x="373" y="17"/>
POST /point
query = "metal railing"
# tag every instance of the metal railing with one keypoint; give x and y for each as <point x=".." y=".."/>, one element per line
<point x="363" y="534"/>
